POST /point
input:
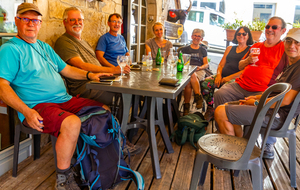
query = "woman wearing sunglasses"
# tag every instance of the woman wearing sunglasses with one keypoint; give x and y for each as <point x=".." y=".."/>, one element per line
<point x="228" y="69"/>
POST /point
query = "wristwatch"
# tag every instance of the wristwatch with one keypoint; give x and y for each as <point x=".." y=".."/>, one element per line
<point x="256" y="102"/>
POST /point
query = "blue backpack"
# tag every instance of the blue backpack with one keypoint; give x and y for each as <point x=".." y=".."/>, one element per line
<point x="99" y="153"/>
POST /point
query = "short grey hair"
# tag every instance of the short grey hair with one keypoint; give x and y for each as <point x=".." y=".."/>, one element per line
<point x="283" y="23"/>
<point x="197" y="30"/>
<point x="65" y="15"/>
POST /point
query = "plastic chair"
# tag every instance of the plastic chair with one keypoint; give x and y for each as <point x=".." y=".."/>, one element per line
<point x="239" y="153"/>
<point x="36" y="144"/>
<point x="290" y="133"/>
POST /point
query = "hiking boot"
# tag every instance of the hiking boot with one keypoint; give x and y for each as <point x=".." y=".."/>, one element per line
<point x="66" y="181"/>
<point x="209" y="114"/>
<point x="269" y="151"/>
<point x="186" y="109"/>
<point x="199" y="101"/>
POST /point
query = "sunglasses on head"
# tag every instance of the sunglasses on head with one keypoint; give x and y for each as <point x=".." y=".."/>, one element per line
<point x="274" y="27"/>
<point x="239" y="34"/>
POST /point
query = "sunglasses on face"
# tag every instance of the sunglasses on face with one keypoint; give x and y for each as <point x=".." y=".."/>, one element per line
<point x="274" y="27"/>
<point x="197" y="36"/>
<point x="239" y="34"/>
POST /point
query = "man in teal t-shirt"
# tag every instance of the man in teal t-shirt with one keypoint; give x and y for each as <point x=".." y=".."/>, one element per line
<point x="30" y="82"/>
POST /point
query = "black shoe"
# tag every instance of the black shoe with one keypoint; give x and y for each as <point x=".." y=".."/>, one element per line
<point x="186" y="109"/>
<point x="199" y="101"/>
<point x="269" y="151"/>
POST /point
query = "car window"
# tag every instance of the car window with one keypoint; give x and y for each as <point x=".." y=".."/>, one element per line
<point x="196" y="16"/>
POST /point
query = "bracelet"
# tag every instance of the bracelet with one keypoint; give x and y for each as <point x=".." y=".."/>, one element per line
<point x="87" y="75"/>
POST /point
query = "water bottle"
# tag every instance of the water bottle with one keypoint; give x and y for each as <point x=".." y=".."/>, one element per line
<point x="170" y="57"/>
<point x="180" y="63"/>
<point x="158" y="57"/>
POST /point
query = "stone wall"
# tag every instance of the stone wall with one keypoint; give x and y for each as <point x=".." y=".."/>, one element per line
<point x="95" y="13"/>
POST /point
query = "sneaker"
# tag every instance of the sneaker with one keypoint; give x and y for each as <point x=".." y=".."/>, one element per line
<point x="269" y="151"/>
<point x="199" y="101"/>
<point x="209" y="114"/>
<point x="186" y="109"/>
<point x="66" y="181"/>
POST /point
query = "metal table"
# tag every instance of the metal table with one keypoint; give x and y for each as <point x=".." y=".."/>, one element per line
<point x="145" y="83"/>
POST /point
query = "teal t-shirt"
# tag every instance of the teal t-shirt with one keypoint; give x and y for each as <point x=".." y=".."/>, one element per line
<point x="33" y="72"/>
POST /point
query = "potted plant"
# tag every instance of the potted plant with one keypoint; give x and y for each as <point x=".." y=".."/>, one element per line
<point x="231" y="28"/>
<point x="256" y="28"/>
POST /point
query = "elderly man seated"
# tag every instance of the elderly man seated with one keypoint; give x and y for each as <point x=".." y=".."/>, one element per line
<point x="230" y="117"/>
<point x="30" y="82"/>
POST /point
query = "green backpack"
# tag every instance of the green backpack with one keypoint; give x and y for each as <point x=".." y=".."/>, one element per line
<point x="190" y="128"/>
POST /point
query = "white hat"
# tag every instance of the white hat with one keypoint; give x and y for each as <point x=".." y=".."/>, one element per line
<point x="294" y="33"/>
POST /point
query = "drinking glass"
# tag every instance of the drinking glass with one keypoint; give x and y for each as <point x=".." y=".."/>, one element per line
<point x="122" y="61"/>
<point x="255" y="53"/>
<point x="173" y="64"/>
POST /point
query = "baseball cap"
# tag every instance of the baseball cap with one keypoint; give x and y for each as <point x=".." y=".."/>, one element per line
<point x="24" y="7"/>
<point x="294" y="33"/>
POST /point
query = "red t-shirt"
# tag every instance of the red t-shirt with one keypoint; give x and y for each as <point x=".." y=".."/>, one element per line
<point x="271" y="62"/>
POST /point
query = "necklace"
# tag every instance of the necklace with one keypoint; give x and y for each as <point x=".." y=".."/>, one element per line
<point x="49" y="60"/>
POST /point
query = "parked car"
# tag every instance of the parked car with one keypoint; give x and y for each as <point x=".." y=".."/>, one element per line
<point x="210" y="21"/>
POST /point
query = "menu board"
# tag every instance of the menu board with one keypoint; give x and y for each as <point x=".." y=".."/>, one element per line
<point x="172" y="30"/>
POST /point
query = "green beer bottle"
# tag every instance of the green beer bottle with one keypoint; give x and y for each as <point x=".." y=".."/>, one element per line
<point x="158" y="57"/>
<point x="180" y="63"/>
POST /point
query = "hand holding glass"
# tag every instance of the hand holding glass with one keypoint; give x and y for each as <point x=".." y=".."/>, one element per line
<point x="255" y="53"/>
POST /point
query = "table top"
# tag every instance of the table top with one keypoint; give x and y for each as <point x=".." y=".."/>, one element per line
<point x="145" y="83"/>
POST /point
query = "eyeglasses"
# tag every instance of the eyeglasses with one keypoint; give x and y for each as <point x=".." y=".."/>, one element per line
<point x="114" y="21"/>
<point x="27" y="20"/>
<point x="239" y="34"/>
<point x="197" y="36"/>
<point x="73" y="20"/>
<point x="291" y="41"/>
<point x="274" y="27"/>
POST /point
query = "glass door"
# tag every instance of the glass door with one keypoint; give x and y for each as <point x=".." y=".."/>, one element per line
<point x="137" y="24"/>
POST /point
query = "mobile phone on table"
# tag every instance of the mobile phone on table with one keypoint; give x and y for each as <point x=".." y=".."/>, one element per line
<point x="107" y="78"/>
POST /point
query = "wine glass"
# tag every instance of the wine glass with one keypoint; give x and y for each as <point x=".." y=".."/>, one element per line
<point x="121" y="59"/>
<point x="255" y="53"/>
<point x="173" y="64"/>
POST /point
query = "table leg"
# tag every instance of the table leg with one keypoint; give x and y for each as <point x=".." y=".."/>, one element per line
<point x="161" y="124"/>
<point x="126" y="110"/>
<point x="151" y="136"/>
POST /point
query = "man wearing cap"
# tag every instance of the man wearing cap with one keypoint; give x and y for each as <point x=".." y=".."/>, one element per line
<point x="77" y="52"/>
<point x="229" y="116"/>
<point x="257" y="78"/>
<point x="30" y="82"/>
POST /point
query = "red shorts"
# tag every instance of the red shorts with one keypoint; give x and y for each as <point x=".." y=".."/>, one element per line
<point x="53" y="114"/>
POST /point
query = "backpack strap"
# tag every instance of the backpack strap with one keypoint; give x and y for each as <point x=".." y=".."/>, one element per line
<point x="134" y="176"/>
<point x="184" y="135"/>
<point x="191" y="137"/>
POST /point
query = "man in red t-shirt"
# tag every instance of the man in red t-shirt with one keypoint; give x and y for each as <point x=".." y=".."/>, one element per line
<point x="259" y="76"/>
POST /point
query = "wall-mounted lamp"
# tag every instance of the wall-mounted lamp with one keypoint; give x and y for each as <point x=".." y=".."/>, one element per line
<point x="150" y="18"/>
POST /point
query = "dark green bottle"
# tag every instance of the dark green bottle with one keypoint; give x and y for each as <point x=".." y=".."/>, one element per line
<point x="180" y="63"/>
<point x="158" y="57"/>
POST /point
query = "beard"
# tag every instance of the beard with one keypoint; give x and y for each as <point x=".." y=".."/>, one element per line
<point x="77" y="26"/>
